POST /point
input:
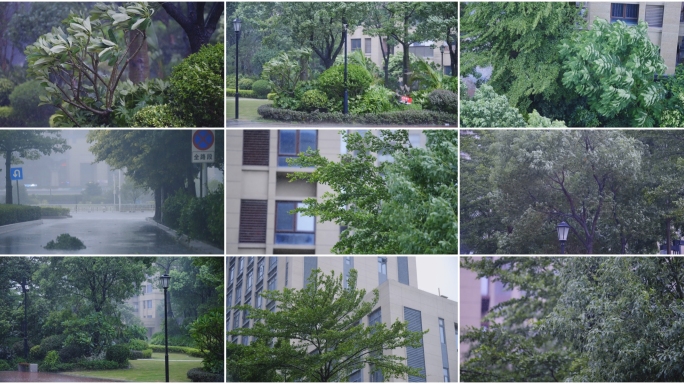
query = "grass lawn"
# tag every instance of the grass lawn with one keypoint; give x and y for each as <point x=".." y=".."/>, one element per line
<point x="150" y="370"/>
<point x="248" y="108"/>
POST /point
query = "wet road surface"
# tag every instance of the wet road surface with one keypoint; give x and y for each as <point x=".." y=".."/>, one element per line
<point x="102" y="233"/>
<point x="33" y="377"/>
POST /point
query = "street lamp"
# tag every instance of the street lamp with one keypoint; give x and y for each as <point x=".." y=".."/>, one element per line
<point x="237" y="23"/>
<point x="165" y="283"/>
<point x="24" y="289"/>
<point x="441" y="50"/>
<point x="345" y="105"/>
<point x="563" y="229"/>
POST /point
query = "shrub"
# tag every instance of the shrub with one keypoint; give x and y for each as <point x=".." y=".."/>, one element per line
<point x="65" y="241"/>
<point x="135" y="355"/>
<point x="332" y="81"/>
<point x="18" y="348"/>
<point x="50" y="361"/>
<point x="245" y="83"/>
<point x="196" y="91"/>
<point x="72" y="352"/>
<point x="261" y="88"/>
<point x="199" y="375"/>
<point x="4" y="366"/>
<point x="194" y="352"/>
<point x="52" y="343"/>
<point x="157" y="116"/>
<point x="25" y="99"/>
<point x="312" y="100"/>
<point x="442" y="100"/>
<point x="207" y="331"/>
<point x="37" y="353"/>
<point x="96" y="365"/>
<point x="146" y="353"/>
<point x="173" y="207"/>
<point x="6" y="87"/>
<point x="10" y="213"/>
<point x="138" y="345"/>
<point x="54" y="211"/>
<point x="271" y="96"/>
<point x="376" y="99"/>
<point x="118" y="354"/>
<point x="230" y="92"/>
<point x="203" y="218"/>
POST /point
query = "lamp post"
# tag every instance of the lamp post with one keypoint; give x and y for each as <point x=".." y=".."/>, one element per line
<point x="345" y="105"/>
<point x="563" y="229"/>
<point x="237" y="23"/>
<point x="165" y="283"/>
<point x="441" y="50"/>
<point x="24" y="289"/>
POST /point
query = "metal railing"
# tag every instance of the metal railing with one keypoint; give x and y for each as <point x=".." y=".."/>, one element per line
<point x="75" y="208"/>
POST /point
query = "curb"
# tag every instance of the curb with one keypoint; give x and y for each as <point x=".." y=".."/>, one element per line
<point x="195" y="245"/>
<point x="15" y="226"/>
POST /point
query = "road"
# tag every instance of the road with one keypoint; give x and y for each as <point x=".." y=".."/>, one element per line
<point x="110" y="233"/>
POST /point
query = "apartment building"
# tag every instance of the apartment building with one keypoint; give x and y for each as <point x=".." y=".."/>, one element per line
<point x="371" y="48"/>
<point x="665" y="24"/>
<point x="146" y="303"/>
<point x="395" y="277"/>
<point x="260" y="196"/>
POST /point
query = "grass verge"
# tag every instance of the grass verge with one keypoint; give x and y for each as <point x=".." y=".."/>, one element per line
<point x="149" y="370"/>
<point x="248" y="108"/>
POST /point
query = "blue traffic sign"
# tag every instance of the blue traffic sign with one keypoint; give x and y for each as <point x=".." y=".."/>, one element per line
<point x="16" y="174"/>
<point x="203" y="139"/>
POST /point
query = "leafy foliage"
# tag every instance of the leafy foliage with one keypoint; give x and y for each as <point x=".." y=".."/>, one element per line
<point x="442" y="100"/>
<point x="65" y="242"/>
<point x="118" y="354"/>
<point x="262" y="88"/>
<point x="312" y="100"/>
<point x="25" y="101"/>
<point x="332" y="81"/>
<point x="397" y="118"/>
<point x="376" y="99"/>
<point x="208" y="333"/>
<point x="487" y="110"/>
<point x="6" y="87"/>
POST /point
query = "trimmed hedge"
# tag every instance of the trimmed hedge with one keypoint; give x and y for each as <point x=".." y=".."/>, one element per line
<point x="198" y="375"/>
<point x="408" y="117"/>
<point x="157" y="116"/>
<point x="118" y="354"/>
<point x="11" y="213"/>
<point x="54" y="211"/>
<point x="81" y="365"/>
<point x="135" y="355"/>
<point x="194" y="352"/>
<point x="261" y="88"/>
<point x="443" y="100"/>
<point x="243" y="94"/>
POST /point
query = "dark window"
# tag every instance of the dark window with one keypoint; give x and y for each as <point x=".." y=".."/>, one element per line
<point x="355" y="45"/>
<point x="291" y="142"/>
<point x="232" y="275"/>
<point x="253" y="215"/>
<point x="260" y="270"/>
<point x="368" y="45"/>
<point x="293" y="228"/>
<point x="272" y="283"/>
<point x="442" y="335"/>
<point x="629" y="13"/>
<point x="241" y="265"/>
<point x="229" y="300"/>
<point x="446" y="375"/>
<point x="259" y="299"/>
<point x="255" y="147"/>
<point x="250" y="280"/>
<point x="382" y="270"/>
<point x="238" y="294"/>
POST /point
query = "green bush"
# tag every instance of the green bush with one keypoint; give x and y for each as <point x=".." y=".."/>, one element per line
<point x="135" y="355"/>
<point x="4" y="366"/>
<point x="245" y="83"/>
<point x="312" y="100"/>
<point x="18" y="348"/>
<point x="118" y="354"/>
<point x="138" y="345"/>
<point x="197" y="92"/>
<point x="36" y="353"/>
<point x="407" y="117"/>
<point x="181" y="340"/>
<point x="51" y="360"/>
<point x="98" y="365"/>
<point x="199" y="375"/>
<point x="11" y="213"/>
<point x="54" y="211"/>
<point x="71" y="352"/>
<point x="442" y="100"/>
<point x="52" y="343"/>
<point x="376" y="99"/>
<point x="261" y="88"/>
<point x="25" y="99"/>
<point x="194" y="352"/>
<point x="332" y="81"/>
<point x="172" y="208"/>
<point x="146" y="353"/>
<point x="6" y="87"/>
<point x="207" y="331"/>
<point x="157" y="116"/>
<point x="271" y="96"/>
<point x="230" y="92"/>
<point x="65" y="241"/>
<point x="203" y="218"/>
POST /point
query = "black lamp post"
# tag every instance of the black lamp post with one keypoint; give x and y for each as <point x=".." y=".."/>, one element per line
<point x="441" y="50"/>
<point x="345" y="105"/>
<point x="237" y="23"/>
<point x="24" y="289"/>
<point x="563" y="228"/>
<point x="165" y="283"/>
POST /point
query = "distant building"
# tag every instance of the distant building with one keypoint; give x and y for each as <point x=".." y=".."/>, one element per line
<point x="146" y="303"/>
<point x="395" y="278"/>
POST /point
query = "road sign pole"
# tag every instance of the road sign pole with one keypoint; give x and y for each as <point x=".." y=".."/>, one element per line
<point x="18" y="202"/>
<point x="205" y="179"/>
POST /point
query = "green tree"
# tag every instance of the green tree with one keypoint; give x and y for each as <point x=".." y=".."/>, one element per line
<point x="519" y="40"/>
<point x="198" y="23"/>
<point x="442" y="24"/>
<point x="326" y="318"/>
<point x="613" y="66"/>
<point x="487" y="109"/>
<point x="27" y="144"/>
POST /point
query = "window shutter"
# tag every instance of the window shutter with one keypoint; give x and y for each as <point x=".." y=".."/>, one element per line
<point x="253" y="221"/>
<point x="255" y="147"/>
<point x="654" y="15"/>
<point x="415" y="357"/>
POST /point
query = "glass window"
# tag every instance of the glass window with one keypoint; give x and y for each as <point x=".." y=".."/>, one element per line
<point x="242" y="265"/>
<point x="250" y="260"/>
<point x="456" y="333"/>
<point x="236" y="322"/>
<point x="628" y="13"/>
<point x="446" y="374"/>
<point x="368" y="45"/>
<point x="355" y="45"/>
<point x="442" y="335"/>
<point x="250" y="278"/>
<point x="272" y="262"/>
<point x="245" y="340"/>
<point x="382" y="265"/>
<point x="238" y="294"/>
<point x="149" y="288"/>
<point x="292" y="142"/>
<point x="229" y="300"/>
<point x="149" y="304"/>
<point x="259" y="300"/>
<point x="232" y="274"/>
<point x="272" y="283"/>
<point x="293" y="228"/>
<point x="260" y="271"/>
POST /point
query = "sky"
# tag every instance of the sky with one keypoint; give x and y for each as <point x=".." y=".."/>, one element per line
<point x="438" y="272"/>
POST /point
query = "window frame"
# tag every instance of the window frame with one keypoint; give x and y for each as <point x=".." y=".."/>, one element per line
<point x="298" y="150"/>
<point x="442" y="331"/>
<point x="351" y="44"/>
<point x="623" y="17"/>
<point x="294" y="222"/>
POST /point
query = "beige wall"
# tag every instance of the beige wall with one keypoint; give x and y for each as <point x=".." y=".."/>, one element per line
<point x="148" y="316"/>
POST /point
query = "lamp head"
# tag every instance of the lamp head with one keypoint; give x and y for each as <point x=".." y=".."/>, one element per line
<point x="237" y="23"/>
<point x="563" y="228"/>
<point x="165" y="280"/>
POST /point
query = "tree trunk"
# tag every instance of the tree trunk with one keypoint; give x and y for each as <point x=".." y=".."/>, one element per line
<point x="139" y="66"/>
<point x="405" y="65"/>
<point x="669" y="241"/>
<point x="8" y="181"/>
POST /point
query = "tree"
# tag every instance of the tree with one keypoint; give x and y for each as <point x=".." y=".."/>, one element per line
<point x="322" y="337"/>
<point x="487" y="109"/>
<point x="613" y="66"/>
<point x="373" y="27"/>
<point x="133" y="191"/>
<point x="82" y="67"/>
<point x="197" y="25"/>
<point x="519" y="40"/>
<point x="31" y="20"/>
<point x="442" y="23"/>
<point x="27" y="144"/>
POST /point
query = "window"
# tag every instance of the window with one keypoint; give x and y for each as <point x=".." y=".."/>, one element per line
<point x="229" y="300"/>
<point x="253" y="216"/>
<point x="629" y="13"/>
<point x="232" y="275"/>
<point x="238" y="294"/>
<point x="367" y="48"/>
<point x="422" y="50"/>
<point x="255" y="146"/>
<point x="236" y="322"/>
<point x="382" y="270"/>
<point x="291" y="142"/>
<point x="456" y="333"/>
<point x="272" y="262"/>
<point x="241" y="263"/>
<point x="260" y="270"/>
<point x="245" y="340"/>
<point x="272" y="283"/>
<point x="446" y="374"/>
<point x="259" y="299"/>
<point x="149" y="304"/>
<point x="135" y="307"/>
<point x="442" y="335"/>
<point x="271" y="306"/>
<point x="250" y="260"/>
<point x="250" y="278"/>
<point x="654" y="15"/>
<point x="355" y="377"/>
<point x="293" y="228"/>
<point x="149" y="288"/>
<point x="246" y="313"/>
<point x="355" y="45"/>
